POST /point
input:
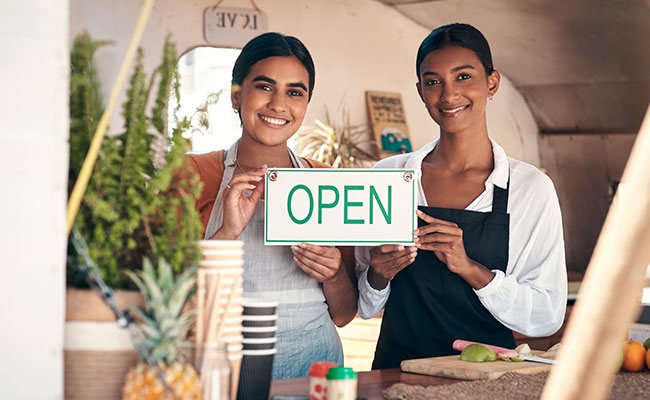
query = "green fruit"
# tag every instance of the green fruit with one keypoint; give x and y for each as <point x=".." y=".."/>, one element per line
<point x="646" y="344"/>
<point x="478" y="353"/>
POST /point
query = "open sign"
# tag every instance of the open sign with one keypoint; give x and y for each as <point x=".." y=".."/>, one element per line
<point x="339" y="206"/>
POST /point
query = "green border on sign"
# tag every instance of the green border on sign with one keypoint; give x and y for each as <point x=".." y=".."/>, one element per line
<point x="266" y="203"/>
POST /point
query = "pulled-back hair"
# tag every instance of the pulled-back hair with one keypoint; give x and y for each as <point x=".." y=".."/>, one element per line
<point x="462" y="35"/>
<point x="272" y="44"/>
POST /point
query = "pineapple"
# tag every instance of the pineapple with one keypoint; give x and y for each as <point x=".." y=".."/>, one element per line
<point x="163" y="374"/>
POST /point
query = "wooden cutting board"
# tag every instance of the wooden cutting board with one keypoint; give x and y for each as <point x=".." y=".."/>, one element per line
<point x="453" y="367"/>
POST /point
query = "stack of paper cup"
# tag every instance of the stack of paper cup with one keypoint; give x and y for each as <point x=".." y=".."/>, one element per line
<point x="259" y="331"/>
<point x="219" y="303"/>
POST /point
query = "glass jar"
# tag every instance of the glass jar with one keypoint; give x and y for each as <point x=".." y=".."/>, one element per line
<point x="341" y="384"/>
<point x="215" y="372"/>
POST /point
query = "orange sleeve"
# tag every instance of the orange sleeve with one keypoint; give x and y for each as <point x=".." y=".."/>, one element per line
<point x="209" y="168"/>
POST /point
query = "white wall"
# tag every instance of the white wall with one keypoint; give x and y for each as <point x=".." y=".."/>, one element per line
<point x="33" y="176"/>
<point x="357" y="45"/>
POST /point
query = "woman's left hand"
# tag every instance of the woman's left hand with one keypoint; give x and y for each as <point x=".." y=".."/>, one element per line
<point x="445" y="239"/>
<point x="320" y="262"/>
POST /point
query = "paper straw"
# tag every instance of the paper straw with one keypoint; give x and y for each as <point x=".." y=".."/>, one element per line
<point x="200" y="315"/>
<point x="213" y="316"/>
<point x="230" y="298"/>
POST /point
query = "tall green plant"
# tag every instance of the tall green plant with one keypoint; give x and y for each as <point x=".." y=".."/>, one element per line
<point x="85" y="101"/>
<point x="135" y="207"/>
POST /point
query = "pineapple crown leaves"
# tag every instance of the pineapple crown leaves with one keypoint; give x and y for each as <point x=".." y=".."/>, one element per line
<point x="161" y="322"/>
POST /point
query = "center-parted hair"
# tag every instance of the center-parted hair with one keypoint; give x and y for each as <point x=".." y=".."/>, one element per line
<point x="462" y="35"/>
<point x="272" y="44"/>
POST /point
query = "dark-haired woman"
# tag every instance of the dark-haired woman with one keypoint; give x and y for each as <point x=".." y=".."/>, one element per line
<point x="272" y="83"/>
<point x="489" y="252"/>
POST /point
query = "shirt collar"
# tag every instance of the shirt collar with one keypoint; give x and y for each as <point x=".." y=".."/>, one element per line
<point x="501" y="171"/>
<point x="498" y="177"/>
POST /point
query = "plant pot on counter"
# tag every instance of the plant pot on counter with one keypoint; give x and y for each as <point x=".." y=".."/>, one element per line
<point x="97" y="352"/>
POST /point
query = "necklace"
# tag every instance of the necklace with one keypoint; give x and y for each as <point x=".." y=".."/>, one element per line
<point x="239" y="166"/>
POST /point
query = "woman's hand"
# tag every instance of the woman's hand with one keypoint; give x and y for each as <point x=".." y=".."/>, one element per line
<point x="386" y="261"/>
<point x="238" y="209"/>
<point x="445" y="239"/>
<point x="320" y="262"/>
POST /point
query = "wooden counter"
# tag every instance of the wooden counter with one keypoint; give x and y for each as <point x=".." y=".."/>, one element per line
<point x="371" y="383"/>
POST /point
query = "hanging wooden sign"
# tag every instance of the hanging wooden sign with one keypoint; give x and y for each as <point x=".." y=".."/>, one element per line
<point x="232" y="27"/>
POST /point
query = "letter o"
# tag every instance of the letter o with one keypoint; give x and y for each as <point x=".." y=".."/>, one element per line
<point x="311" y="204"/>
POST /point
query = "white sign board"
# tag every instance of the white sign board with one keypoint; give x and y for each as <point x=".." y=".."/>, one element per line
<point x="232" y="27"/>
<point x="339" y="206"/>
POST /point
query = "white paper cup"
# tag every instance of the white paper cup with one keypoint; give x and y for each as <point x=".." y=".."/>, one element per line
<point x="231" y="339"/>
<point x="234" y="265"/>
<point x="220" y="244"/>
<point x="222" y="254"/>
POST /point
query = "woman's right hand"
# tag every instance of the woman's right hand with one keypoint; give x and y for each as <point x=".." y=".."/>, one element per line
<point x="386" y="261"/>
<point x="238" y="209"/>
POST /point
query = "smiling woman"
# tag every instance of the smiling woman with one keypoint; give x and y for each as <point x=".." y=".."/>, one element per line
<point x="272" y="83"/>
<point x="489" y="253"/>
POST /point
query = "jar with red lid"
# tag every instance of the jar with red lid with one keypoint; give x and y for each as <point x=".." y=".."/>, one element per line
<point x="318" y="379"/>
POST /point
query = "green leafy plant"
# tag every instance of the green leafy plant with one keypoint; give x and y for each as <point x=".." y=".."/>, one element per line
<point x="340" y="145"/>
<point x="140" y="199"/>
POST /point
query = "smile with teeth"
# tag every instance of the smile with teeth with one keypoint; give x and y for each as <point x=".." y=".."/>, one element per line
<point x="273" y="121"/>
<point x="453" y="111"/>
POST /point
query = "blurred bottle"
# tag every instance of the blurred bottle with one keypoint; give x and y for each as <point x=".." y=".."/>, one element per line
<point x="341" y="384"/>
<point x="215" y="372"/>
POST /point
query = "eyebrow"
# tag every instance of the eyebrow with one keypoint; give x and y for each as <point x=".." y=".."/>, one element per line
<point x="265" y="78"/>
<point x="455" y="69"/>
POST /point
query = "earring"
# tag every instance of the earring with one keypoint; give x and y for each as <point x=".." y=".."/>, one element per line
<point x="491" y="96"/>
<point x="235" y="110"/>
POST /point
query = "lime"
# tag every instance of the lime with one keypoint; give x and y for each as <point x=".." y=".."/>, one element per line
<point x="477" y="352"/>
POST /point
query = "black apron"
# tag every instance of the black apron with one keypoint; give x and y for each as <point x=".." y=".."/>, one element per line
<point x="429" y="307"/>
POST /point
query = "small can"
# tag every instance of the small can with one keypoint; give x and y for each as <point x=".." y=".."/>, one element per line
<point x="341" y="384"/>
<point x="318" y="379"/>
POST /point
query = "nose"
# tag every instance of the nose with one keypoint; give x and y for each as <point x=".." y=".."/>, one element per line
<point x="449" y="92"/>
<point x="277" y="102"/>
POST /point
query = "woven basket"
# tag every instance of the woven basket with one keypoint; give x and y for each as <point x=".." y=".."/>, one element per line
<point x="97" y="353"/>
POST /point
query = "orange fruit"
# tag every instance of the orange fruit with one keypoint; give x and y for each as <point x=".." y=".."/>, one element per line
<point x="634" y="356"/>
<point x="647" y="358"/>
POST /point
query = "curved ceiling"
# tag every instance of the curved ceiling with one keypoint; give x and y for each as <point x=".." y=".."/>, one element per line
<point x="582" y="65"/>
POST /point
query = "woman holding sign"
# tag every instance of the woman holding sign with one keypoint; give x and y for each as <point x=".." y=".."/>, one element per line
<point x="272" y="83"/>
<point x="489" y="253"/>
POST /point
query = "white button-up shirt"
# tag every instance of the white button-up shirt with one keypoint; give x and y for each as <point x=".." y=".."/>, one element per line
<point x="530" y="298"/>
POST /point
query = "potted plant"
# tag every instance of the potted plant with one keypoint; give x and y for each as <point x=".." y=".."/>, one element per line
<point x="139" y="204"/>
<point x="341" y="145"/>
